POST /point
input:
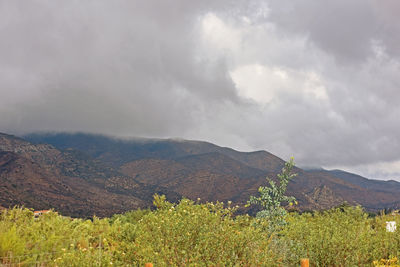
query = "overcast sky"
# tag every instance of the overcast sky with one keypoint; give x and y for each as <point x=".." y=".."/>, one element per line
<point x="317" y="80"/>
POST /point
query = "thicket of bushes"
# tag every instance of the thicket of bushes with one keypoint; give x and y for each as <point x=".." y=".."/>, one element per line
<point x="193" y="234"/>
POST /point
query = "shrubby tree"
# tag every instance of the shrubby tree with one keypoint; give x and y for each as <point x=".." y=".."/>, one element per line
<point x="273" y="196"/>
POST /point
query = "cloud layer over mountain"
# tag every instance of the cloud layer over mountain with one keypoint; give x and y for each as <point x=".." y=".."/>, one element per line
<point x="316" y="80"/>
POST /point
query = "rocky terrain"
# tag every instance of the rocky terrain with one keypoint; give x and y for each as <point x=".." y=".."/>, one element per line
<point x="82" y="175"/>
<point x="43" y="177"/>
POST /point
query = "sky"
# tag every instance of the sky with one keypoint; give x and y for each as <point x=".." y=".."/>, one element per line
<point x="316" y="80"/>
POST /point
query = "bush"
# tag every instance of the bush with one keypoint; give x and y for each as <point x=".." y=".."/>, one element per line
<point x="202" y="234"/>
<point x="193" y="234"/>
<point x="339" y="237"/>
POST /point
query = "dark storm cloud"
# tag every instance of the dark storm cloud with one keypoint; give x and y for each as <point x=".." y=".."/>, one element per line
<point x="356" y="43"/>
<point x="343" y="28"/>
<point x="127" y="67"/>
<point x="314" y="79"/>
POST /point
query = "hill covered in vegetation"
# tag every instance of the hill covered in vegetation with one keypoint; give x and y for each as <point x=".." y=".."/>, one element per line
<point x="82" y="175"/>
<point x="196" y="169"/>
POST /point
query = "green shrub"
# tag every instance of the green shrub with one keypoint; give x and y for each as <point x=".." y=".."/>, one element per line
<point x="338" y="237"/>
<point x="193" y="234"/>
<point x="199" y="234"/>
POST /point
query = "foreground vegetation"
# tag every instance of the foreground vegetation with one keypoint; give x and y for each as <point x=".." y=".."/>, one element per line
<point x="194" y="234"/>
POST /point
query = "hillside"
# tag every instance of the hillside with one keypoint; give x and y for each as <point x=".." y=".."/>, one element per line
<point x="391" y="185"/>
<point x="120" y="151"/>
<point x="201" y="169"/>
<point x="369" y="197"/>
<point x="43" y="177"/>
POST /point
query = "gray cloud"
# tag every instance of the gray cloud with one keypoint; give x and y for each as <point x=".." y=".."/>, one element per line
<point x="124" y="67"/>
<point x="316" y="80"/>
<point x="343" y="28"/>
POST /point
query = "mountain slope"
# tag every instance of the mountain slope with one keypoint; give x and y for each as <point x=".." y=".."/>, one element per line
<point x="120" y="151"/>
<point x="369" y="198"/>
<point x="42" y="177"/>
<point x="377" y="185"/>
<point x="210" y="176"/>
<point x="140" y="167"/>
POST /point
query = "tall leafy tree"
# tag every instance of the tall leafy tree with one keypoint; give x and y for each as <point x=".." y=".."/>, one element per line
<point x="273" y="196"/>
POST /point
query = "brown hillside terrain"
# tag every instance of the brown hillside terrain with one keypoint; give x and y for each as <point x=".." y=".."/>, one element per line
<point x="369" y="197"/>
<point x="83" y="174"/>
<point x="199" y="181"/>
<point x="217" y="177"/>
<point x="23" y="182"/>
<point x="42" y="177"/>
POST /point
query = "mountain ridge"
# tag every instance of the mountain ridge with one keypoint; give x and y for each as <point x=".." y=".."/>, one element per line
<point x="110" y="175"/>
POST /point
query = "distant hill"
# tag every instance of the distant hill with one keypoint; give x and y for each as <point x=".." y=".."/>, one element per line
<point x="40" y="176"/>
<point x="391" y="185"/>
<point x="120" y="151"/>
<point x="366" y="194"/>
<point x="82" y="174"/>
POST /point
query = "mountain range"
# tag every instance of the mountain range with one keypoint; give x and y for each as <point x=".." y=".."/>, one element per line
<point x="84" y="174"/>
